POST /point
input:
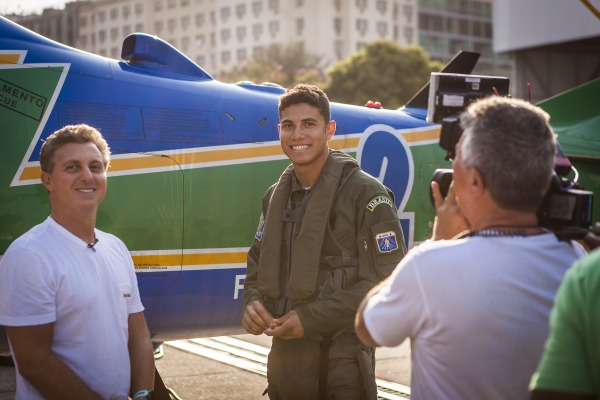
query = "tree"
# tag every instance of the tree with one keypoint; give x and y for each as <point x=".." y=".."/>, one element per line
<point x="383" y="72"/>
<point x="285" y="66"/>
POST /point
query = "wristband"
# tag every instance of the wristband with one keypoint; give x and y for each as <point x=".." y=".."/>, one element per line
<point x="142" y="393"/>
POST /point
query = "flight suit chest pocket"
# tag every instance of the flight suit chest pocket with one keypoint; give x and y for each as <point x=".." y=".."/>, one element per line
<point x="381" y="248"/>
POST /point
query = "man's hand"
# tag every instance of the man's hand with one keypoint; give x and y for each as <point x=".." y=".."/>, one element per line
<point x="592" y="239"/>
<point x="256" y="318"/>
<point x="449" y="221"/>
<point x="287" y="327"/>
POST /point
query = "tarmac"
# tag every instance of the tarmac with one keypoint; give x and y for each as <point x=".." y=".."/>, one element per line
<point x="197" y="378"/>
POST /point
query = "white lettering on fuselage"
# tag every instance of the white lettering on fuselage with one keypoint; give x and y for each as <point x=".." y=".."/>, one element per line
<point x="239" y="286"/>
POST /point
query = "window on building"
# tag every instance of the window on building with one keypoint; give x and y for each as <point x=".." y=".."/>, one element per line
<point x="126" y="30"/>
<point x="185" y="22"/>
<point x="158" y="27"/>
<point x="199" y="42"/>
<point x="158" y="5"/>
<point x="339" y="49"/>
<point x="361" y="5"/>
<point x="258" y="52"/>
<point x="381" y="6"/>
<point x="102" y="36"/>
<point x="257" y="31"/>
<point x="407" y="9"/>
<point x="299" y="26"/>
<point x="361" y="26"/>
<point x="274" y="28"/>
<point x="126" y="11"/>
<point x="82" y="21"/>
<point x="225" y="35"/>
<point x="241" y="33"/>
<point x="172" y="42"/>
<point x="139" y="8"/>
<point x="93" y="40"/>
<point x="337" y="4"/>
<point x="114" y="34"/>
<point x="83" y="39"/>
<point x="102" y="52"/>
<point x="199" y="20"/>
<point x="299" y="3"/>
<point x="382" y="29"/>
<point x="171" y="25"/>
<point x="256" y="8"/>
<point x="408" y="34"/>
<point x="274" y="6"/>
<point x="225" y="14"/>
<point x="101" y="16"/>
<point x="337" y="25"/>
<point x="213" y="39"/>
<point x="463" y="27"/>
<point x="225" y="56"/>
<point x="114" y="13"/>
<point x="139" y="27"/>
<point x="171" y="4"/>
<point x="241" y="55"/>
<point x="114" y="52"/>
<point x="185" y="3"/>
<point x="240" y="10"/>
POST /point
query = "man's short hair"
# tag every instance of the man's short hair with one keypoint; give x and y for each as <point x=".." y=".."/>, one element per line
<point x="309" y="94"/>
<point x="81" y="133"/>
<point x="510" y="142"/>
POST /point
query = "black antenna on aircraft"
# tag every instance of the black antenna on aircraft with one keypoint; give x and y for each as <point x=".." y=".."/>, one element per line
<point x="462" y="63"/>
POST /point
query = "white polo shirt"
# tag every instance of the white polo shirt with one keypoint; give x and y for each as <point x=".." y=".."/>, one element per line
<point x="50" y="275"/>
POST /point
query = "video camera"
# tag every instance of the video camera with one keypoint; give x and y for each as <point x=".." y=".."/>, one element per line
<point x="566" y="208"/>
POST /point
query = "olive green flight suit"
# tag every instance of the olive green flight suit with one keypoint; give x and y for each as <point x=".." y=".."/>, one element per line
<point x="362" y="245"/>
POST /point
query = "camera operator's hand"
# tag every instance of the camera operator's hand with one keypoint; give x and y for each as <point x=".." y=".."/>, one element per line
<point x="449" y="221"/>
<point x="592" y="239"/>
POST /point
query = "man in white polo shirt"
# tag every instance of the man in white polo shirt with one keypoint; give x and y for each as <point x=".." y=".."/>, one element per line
<point x="68" y="292"/>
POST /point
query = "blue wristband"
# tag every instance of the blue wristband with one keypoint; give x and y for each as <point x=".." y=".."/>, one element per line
<point x="142" y="393"/>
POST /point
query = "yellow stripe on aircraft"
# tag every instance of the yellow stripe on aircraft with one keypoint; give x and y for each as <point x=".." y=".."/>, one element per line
<point x="208" y="155"/>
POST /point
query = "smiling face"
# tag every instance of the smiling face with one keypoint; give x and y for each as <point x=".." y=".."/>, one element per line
<point x="77" y="181"/>
<point x="304" y="134"/>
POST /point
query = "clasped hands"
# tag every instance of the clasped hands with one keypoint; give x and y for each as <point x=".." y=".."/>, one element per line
<point x="258" y="320"/>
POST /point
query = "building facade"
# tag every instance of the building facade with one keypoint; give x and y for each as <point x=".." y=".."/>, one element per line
<point x="218" y="34"/>
<point x="447" y="26"/>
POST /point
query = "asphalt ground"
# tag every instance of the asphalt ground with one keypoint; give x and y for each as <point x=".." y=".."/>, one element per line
<point x="193" y="377"/>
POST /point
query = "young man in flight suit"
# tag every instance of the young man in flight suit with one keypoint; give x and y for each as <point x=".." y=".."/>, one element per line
<point x="327" y="234"/>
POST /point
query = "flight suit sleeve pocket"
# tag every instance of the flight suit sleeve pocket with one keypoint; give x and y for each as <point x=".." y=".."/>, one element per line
<point x="380" y="249"/>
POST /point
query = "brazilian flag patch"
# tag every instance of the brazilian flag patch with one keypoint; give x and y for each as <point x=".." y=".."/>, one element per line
<point x="381" y="199"/>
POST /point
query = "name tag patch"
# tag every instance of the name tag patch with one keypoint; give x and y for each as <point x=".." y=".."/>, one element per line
<point x="377" y="201"/>
<point x="387" y="242"/>
<point x="261" y="228"/>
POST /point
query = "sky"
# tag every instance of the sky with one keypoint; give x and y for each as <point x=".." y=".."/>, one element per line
<point x="29" y="6"/>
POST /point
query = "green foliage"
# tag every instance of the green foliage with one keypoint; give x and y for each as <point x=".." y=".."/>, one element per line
<point x="285" y="66"/>
<point x="382" y="72"/>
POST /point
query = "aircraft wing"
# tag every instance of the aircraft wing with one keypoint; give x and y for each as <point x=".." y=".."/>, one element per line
<point x="576" y="120"/>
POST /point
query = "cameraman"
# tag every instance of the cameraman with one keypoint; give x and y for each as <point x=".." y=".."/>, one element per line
<point x="476" y="307"/>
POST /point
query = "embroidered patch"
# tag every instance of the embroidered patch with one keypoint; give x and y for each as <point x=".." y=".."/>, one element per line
<point x="377" y="201"/>
<point x="261" y="228"/>
<point x="386" y="242"/>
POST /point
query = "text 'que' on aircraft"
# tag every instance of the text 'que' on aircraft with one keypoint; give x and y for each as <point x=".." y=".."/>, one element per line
<point x="192" y="157"/>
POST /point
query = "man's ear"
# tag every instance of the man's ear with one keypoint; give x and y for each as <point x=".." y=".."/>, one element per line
<point x="330" y="129"/>
<point x="46" y="179"/>
<point x="477" y="182"/>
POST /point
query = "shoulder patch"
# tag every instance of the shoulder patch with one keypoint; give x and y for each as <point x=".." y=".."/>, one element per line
<point x="261" y="228"/>
<point x="386" y="242"/>
<point x="381" y="199"/>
